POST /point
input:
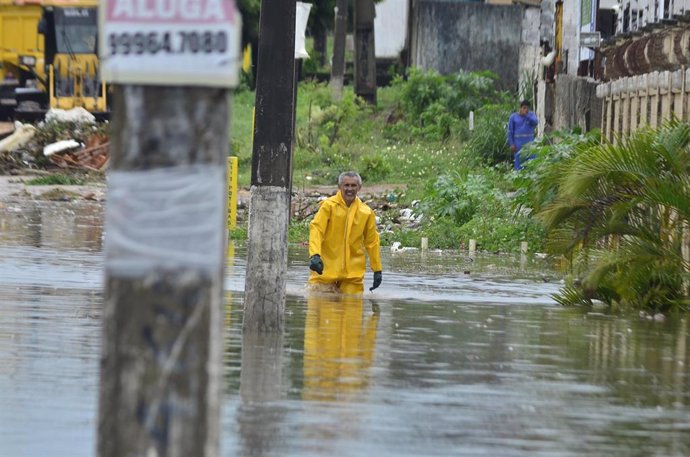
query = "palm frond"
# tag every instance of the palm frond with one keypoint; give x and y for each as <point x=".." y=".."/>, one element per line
<point x="620" y="211"/>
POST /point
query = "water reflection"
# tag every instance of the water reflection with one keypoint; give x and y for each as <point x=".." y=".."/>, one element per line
<point x="263" y="385"/>
<point x="339" y="342"/>
<point x="65" y="225"/>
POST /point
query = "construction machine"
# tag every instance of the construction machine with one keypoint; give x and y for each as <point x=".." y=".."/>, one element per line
<point x="49" y="59"/>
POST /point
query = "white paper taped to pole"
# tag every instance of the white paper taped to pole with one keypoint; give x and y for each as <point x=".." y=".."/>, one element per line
<point x="301" y="19"/>
<point x="165" y="218"/>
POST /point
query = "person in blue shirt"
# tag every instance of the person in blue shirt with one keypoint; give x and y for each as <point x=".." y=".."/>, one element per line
<point x="521" y="131"/>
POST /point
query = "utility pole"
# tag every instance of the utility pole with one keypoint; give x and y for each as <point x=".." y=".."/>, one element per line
<point x="365" y="56"/>
<point x="269" y="208"/>
<point x="339" y="36"/>
<point x="165" y="225"/>
<point x="165" y="237"/>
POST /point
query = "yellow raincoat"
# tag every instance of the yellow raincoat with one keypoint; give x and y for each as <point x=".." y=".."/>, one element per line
<point x="340" y="235"/>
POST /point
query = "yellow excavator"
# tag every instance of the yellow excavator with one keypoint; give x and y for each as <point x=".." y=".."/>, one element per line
<point x="49" y="59"/>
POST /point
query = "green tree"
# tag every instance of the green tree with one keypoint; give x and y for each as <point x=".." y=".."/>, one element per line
<point x="621" y="214"/>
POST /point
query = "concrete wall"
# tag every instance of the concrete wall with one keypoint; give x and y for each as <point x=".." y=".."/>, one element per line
<point x="529" y="63"/>
<point x="575" y="103"/>
<point x="450" y="37"/>
<point x="547" y="26"/>
<point x="571" y="35"/>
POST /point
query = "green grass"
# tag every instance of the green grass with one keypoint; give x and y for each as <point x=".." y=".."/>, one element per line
<point x="57" y="179"/>
<point x="241" y="133"/>
<point x="329" y="141"/>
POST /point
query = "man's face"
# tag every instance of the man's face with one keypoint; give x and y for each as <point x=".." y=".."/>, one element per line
<point x="523" y="110"/>
<point x="349" y="188"/>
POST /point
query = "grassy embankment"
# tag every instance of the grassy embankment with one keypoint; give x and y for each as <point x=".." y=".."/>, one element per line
<point x="417" y="137"/>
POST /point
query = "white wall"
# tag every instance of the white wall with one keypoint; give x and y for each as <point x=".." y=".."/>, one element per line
<point x="390" y="27"/>
<point x="530" y="52"/>
<point x="571" y="34"/>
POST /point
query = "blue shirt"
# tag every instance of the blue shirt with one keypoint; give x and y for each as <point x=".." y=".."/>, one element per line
<point x="521" y="129"/>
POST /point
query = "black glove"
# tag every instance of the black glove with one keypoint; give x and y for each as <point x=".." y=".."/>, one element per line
<point x="315" y="264"/>
<point x="378" y="277"/>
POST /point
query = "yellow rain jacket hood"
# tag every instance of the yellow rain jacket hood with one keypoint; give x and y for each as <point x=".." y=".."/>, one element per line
<point x="340" y="235"/>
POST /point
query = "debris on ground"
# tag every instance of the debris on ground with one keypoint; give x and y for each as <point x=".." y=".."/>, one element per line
<point x="23" y="133"/>
<point x="77" y="115"/>
<point x="385" y="200"/>
<point x="66" y="139"/>
<point x="59" y="195"/>
<point x="61" y="146"/>
<point x="92" y="155"/>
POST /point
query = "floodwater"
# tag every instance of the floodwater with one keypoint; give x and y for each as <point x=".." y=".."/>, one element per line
<point x="450" y="357"/>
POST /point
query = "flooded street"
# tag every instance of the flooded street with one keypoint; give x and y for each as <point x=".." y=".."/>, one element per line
<point x="451" y="356"/>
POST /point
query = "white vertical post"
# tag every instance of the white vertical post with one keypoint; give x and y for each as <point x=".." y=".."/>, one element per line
<point x="634" y="103"/>
<point x="609" y="112"/>
<point x="625" y="105"/>
<point x="616" y="110"/>
<point x="643" y="93"/>
<point x="653" y="90"/>
<point x="666" y="96"/>
<point x="686" y="94"/>
<point x="677" y="90"/>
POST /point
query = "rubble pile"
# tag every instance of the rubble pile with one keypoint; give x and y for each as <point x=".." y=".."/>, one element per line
<point x="93" y="154"/>
<point x="65" y="139"/>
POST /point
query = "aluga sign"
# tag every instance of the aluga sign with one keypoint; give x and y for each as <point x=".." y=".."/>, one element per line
<point x="170" y="42"/>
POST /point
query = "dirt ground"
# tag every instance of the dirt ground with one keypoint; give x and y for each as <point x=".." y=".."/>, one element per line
<point x="15" y="188"/>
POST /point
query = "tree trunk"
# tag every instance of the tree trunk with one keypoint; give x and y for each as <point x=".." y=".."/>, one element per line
<point x="161" y="370"/>
<point x="321" y="44"/>
<point x="269" y="206"/>
<point x="338" y="63"/>
<point x="365" y="57"/>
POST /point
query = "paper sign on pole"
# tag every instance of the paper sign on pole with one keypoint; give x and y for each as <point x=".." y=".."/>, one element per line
<point x="170" y="42"/>
<point x="301" y="19"/>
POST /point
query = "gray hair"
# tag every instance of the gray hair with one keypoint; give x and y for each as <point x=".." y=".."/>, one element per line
<point x="349" y="174"/>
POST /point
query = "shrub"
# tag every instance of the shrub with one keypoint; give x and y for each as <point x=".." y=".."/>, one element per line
<point x="432" y="105"/>
<point x="458" y="197"/>
<point x="489" y="139"/>
<point x="374" y="168"/>
<point x="619" y="212"/>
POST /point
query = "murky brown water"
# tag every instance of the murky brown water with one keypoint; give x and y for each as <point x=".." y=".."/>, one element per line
<point x="436" y="362"/>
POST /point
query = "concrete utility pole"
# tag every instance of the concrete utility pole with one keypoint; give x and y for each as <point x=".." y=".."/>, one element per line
<point x="161" y="371"/>
<point x="365" y="56"/>
<point x="339" y="36"/>
<point x="269" y="205"/>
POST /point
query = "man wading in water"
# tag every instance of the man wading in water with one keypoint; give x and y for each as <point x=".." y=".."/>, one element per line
<point x="343" y="228"/>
